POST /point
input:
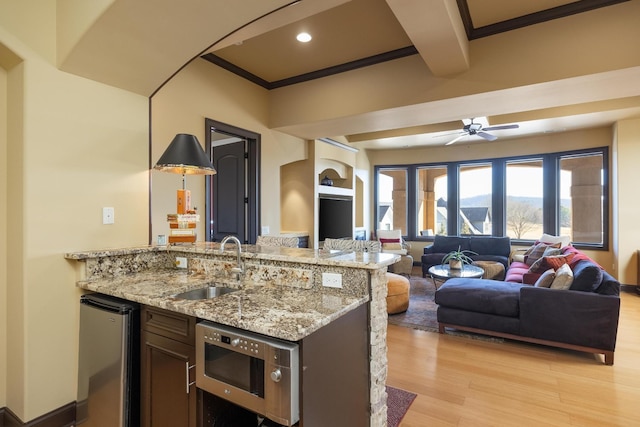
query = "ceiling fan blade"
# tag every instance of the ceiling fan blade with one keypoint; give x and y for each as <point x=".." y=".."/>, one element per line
<point x="487" y="136"/>
<point x="448" y="134"/>
<point x="456" y="139"/>
<point x="502" y="127"/>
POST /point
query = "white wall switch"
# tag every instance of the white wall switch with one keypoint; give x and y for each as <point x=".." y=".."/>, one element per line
<point x="265" y="230"/>
<point x="332" y="280"/>
<point x="108" y="216"/>
<point x="181" y="262"/>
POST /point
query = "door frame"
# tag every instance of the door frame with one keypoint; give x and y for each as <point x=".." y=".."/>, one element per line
<point x="253" y="177"/>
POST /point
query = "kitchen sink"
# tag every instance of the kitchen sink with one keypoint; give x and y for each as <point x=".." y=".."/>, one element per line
<point x="204" y="293"/>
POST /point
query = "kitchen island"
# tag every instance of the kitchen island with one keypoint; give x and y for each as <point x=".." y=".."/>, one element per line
<point x="280" y="293"/>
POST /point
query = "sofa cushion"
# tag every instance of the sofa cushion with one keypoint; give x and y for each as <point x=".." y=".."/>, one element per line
<point x="481" y="296"/>
<point x="586" y="276"/>
<point x="563" y="279"/>
<point x="609" y="285"/>
<point x="446" y="244"/>
<point x="490" y="245"/>
<point x="546" y="279"/>
<point x="516" y="271"/>
<point x="577" y="255"/>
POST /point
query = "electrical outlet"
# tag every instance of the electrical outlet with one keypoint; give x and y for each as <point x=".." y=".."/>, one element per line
<point x="332" y="280"/>
<point x="265" y="230"/>
<point x="108" y="216"/>
<point x="181" y="262"/>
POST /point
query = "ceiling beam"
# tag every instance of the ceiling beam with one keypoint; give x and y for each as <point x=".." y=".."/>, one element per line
<point x="436" y="30"/>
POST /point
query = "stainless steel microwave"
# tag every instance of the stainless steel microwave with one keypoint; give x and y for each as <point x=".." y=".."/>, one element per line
<point x="256" y="372"/>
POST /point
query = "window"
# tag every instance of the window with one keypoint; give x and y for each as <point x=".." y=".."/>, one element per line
<point x="523" y="197"/>
<point x="431" y="201"/>
<point x="392" y="199"/>
<point x="524" y="186"/>
<point x="581" y="198"/>
<point x="475" y="199"/>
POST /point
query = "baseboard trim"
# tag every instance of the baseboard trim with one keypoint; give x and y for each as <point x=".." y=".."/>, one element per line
<point x="64" y="416"/>
<point x="630" y="288"/>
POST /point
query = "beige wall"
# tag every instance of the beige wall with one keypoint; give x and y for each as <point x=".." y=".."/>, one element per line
<point x="73" y="146"/>
<point x="3" y="237"/>
<point x="626" y="176"/>
<point x="202" y="90"/>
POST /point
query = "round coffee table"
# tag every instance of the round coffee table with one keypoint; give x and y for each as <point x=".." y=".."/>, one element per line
<point x="443" y="272"/>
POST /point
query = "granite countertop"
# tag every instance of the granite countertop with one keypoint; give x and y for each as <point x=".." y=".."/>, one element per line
<point x="271" y="253"/>
<point x="277" y="311"/>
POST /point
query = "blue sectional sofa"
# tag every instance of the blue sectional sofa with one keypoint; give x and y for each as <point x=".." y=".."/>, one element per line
<point x="583" y="317"/>
<point x="486" y="248"/>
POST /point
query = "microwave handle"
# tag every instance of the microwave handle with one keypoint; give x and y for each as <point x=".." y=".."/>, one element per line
<point x="187" y="369"/>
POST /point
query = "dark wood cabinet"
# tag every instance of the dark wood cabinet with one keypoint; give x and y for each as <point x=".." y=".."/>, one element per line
<point x="168" y="393"/>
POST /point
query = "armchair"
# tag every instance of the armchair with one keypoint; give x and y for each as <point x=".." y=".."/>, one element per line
<point x="392" y="242"/>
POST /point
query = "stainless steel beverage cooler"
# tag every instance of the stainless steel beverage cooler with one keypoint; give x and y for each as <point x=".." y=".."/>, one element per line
<point x="109" y="362"/>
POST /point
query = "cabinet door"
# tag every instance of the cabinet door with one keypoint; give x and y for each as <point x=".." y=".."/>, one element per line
<point x="168" y="382"/>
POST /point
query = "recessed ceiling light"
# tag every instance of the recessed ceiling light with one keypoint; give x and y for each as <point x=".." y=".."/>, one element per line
<point x="303" y="37"/>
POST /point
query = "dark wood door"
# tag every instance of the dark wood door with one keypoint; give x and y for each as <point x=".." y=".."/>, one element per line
<point x="233" y="194"/>
<point x="228" y="202"/>
<point x="167" y="399"/>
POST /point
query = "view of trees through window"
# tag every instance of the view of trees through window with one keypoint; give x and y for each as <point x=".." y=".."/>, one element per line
<point x="524" y="199"/>
<point x="554" y="193"/>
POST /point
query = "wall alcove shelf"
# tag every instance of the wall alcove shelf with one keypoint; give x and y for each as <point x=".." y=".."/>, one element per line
<point x="340" y="179"/>
<point x="301" y="187"/>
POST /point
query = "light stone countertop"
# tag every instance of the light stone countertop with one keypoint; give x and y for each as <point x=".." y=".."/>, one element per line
<point x="272" y="253"/>
<point x="277" y="311"/>
<point x="286" y="312"/>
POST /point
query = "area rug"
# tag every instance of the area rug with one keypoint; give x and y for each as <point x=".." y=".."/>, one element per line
<point x="422" y="310"/>
<point x="398" y="402"/>
<point x="421" y="313"/>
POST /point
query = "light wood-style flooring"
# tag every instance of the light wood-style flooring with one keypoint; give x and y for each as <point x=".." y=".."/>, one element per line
<point x="466" y="382"/>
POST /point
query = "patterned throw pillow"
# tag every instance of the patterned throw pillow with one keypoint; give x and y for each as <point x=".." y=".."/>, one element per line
<point x="537" y="251"/>
<point x="551" y="251"/>
<point x="546" y="279"/>
<point x="564" y="278"/>
<point x="391" y="246"/>
<point x="547" y="262"/>
<point x="383" y="241"/>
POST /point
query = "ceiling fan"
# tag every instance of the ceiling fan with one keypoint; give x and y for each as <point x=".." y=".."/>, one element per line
<point x="477" y="129"/>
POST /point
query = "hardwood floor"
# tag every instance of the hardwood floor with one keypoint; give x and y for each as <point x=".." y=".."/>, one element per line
<point x="466" y="382"/>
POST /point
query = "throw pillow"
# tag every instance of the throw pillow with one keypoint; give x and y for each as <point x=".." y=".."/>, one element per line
<point x="549" y="239"/>
<point x="563" y="279"/>
<point x="537" y="252"/>
<point x="551" y="251"/>
<point x="386" y="246"/>
<point x="547" y="262"/>
<point x="383" y="241"/>
<point x="546" y="279"/>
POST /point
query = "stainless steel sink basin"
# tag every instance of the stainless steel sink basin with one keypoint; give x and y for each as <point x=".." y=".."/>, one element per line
<point x="204" y="293"/>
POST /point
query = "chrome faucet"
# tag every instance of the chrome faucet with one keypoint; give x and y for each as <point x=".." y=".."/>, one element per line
<point x="239" y="269"/>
